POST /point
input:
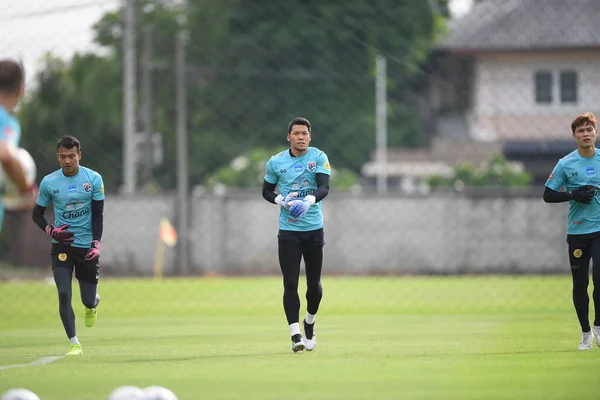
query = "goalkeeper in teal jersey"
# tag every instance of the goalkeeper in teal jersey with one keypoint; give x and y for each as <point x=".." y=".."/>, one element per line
<point x="77" y="194"/>
<point x="301" y="174"/>
<point x="12" y="78"/>
<point x="579" y="173"/>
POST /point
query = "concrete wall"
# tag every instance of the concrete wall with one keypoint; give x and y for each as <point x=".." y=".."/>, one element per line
<point x="237" y="234"/>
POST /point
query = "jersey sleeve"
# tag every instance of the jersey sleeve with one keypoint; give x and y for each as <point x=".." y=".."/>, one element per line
<point x="98" y="188"/>
<point x="43" y="198"/>
<point x="557" y="178"/>
<point x="7" y="132"/>
<point x="323" y="166"/>
<point x="270" y="175"/>
<point x="10" y="129"/>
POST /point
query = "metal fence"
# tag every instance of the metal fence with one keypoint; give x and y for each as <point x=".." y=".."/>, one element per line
<point x="180" y="104"/>
<point x="441" y="131"/>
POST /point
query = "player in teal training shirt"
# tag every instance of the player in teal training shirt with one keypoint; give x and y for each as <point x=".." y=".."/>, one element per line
<point x="301" y="174"/>
<point x="579" y="173"/>
<point x="11" y="90"/>
<point x="77" y="194"/>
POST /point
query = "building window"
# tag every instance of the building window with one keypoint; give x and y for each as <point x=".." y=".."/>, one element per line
<point x="543" y="87"/>
<point x="568" y="87"/>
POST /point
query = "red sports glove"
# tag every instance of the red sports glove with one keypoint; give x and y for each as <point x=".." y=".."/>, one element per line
<point x="61" y="234"/>
<point x="93" y="254"/>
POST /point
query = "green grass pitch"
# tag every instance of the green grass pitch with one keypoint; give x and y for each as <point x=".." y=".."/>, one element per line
<point x="437" y="338"/>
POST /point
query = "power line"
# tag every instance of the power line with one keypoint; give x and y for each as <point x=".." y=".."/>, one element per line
<point x="57" y="10"/>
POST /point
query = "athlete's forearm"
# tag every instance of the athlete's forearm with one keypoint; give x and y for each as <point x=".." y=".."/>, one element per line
<point x="11" y="165"/>
<point x="97" y="219"/>
<point x="552" y="196"/>
<point x="268" y="192"/>
<point x="322" y="187"/>
<point x="39" y="218"/>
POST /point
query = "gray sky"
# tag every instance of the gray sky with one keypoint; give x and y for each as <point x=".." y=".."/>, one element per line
<point x="30" y="28"/>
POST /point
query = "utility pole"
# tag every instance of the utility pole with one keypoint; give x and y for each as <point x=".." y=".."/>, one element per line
<point x="147" y="155"/>
<point x="129" y="98"/>
<point x="381" y="123"/>
<point x="182" y="266"/>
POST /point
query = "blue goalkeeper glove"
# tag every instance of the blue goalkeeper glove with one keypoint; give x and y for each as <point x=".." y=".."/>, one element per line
<point x="299" y="208"/>
<point x="284" y="201"/>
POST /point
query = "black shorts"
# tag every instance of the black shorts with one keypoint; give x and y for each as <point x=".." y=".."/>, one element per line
<point x="314" y="238"/>
<point x="73" y="258"/>
<point x="580" y="248"/>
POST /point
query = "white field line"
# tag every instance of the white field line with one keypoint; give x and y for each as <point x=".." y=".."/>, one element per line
<point x="41" y="361"/>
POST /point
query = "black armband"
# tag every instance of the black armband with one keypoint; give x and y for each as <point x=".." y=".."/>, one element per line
<point x="97" y="219"/>
<point x="552" y="196"/>
<point x="39" y="218"/>
<point x="322" y="187"/>
<point x="268" y="192"/>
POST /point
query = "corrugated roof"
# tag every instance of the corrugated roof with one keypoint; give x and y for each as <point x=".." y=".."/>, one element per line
<point x="526" y="25"/>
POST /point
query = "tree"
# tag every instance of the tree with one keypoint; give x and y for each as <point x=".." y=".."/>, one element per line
<point x="253" y="66"/>
<point x="68" y="100"/>
<point x="83" y="97"/>
<point x="316" y="59"/>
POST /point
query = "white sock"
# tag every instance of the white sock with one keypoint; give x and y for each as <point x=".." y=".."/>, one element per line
<point x="310" y="318"/>
<point x="295" y="328"/>
<point x="74" y="340"/>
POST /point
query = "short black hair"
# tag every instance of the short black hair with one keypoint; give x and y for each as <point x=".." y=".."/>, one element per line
<point x="11" y="76"/>
<point x="299" y="121"/>
<point x="68" y="142"/>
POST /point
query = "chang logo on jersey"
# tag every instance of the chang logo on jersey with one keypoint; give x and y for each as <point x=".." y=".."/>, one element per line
<point x="304" y="193"/>
<point x="76" y="213"/>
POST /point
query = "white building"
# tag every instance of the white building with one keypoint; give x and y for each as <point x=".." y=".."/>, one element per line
<point x="519" y="69"/>
<point x="514" y="73"/>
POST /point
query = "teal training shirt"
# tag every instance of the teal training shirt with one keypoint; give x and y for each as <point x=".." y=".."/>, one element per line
<point x="298" y="174"/>
<point x="574" y="171"/>
<point x="10" y="130"/>
<point x="72" y="197"/>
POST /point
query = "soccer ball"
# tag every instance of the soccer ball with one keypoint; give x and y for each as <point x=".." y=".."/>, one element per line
<point x="19" y="394"/>
<point x="10" y="194"/>
<point x="159" y="393"/>
<point x="127" y="393"/>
